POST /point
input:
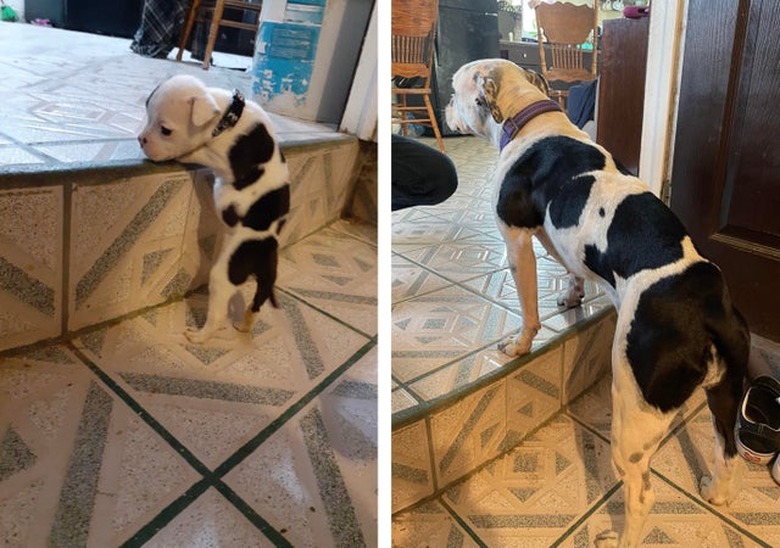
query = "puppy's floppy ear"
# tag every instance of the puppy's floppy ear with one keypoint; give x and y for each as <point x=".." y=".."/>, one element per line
<point x="204" y="109"/>
<point x="487" y="87"/>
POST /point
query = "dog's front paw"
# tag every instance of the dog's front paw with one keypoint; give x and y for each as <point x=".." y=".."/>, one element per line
<point x="570" y="301"/>
<point x="515" y="346"/>
<point x="197" y="336"/>
<point x="607" y="539"/>
<point x="714" y="493"/>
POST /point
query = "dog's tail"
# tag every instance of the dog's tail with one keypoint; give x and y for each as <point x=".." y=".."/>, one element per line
<point x="264" y="292"/>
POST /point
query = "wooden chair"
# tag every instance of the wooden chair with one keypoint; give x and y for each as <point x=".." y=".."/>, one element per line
<point x="566" y="27"/>
<point x="216" y="22"/>
<point x="413" y="29"/>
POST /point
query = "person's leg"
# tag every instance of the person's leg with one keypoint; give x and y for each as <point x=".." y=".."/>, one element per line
<point x="421" y="175"/>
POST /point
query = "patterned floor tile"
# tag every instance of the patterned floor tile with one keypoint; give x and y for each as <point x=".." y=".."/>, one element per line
<point x="424" y="230"/>
<point x="462" y="259"/>
<point x="401" y="399"/>
<point x="360" y="230"/>
<point x="336" y="273"/>
<point x="411" y="465"/>
<point x="531" y="496"/>
<point x="410" y="280"/>
<point x="674" y="521"/>
<point x="231" y="387"/>
<point x="314" y="480"/>
<point x="688" y="456"/>
<point x="429" y="525"/>
<point x="77" y="466"/>
<point x="433" y="329"/>
<point x="210" y="521"/>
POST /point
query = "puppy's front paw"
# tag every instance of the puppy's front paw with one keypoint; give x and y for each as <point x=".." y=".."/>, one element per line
<point x="607" y="539"/>
<point x="197" y="336"/>
<point x="714" y="493"/>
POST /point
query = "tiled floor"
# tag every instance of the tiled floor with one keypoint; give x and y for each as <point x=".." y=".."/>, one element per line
<point x="73" y="98"/>
<point x="132" y="433"/>
<point x="453" y="299"/>
<point x="129" y="433"/>
<point x="453" y="296"/>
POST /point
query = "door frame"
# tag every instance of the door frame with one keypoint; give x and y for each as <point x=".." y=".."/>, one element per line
<point x="662" y="84"/>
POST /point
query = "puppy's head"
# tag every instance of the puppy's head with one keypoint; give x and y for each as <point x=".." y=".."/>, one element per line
<point x="488" y="91"/>
<point x="180" y="114"/>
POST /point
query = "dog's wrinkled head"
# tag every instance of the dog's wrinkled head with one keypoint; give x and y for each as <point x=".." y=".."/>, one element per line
<point x="180" y="114"/>
<point x="488" y="91"/>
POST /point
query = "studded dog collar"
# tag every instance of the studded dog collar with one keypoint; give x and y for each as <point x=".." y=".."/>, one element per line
<point x="232" y="114"/>
<point x="514" y="124"/>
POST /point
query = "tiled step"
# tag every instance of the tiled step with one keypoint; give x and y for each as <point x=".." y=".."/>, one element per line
<point x="439" y="441"/>
<point x="81" y="245"/>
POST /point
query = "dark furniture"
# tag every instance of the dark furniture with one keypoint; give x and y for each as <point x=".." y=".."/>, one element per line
<point x="622" y="89"/>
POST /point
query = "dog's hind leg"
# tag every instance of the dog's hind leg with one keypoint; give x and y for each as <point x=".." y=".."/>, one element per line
<point x="220" y="292"/>
<point x="723" y="400"/>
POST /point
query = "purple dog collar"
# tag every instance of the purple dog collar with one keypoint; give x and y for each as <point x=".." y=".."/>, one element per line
<point x="514" y="124"/>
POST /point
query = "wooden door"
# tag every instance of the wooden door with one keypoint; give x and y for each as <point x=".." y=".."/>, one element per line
<point x="725" y="182"/>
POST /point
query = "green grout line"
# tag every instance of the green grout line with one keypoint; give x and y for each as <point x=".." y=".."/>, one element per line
<point x="595" y="508"/>
<point x="244" y="451"/>
<point x="697" y="500"/>
<point x="568" y="412"/>
<point x="142" y="413"/>
<point x="454" y="515"/>
<point x="211" y="479"/>
<point x="167" y="515"/>
<point x="323" y="312"/>
<point x="257" y="520"/>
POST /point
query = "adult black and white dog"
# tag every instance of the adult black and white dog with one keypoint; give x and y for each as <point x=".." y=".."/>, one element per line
<point x="189" y="122"/>
<point x="676" y="329"/>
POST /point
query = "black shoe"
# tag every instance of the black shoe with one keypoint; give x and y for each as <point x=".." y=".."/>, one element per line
<point x="758" y="425"/>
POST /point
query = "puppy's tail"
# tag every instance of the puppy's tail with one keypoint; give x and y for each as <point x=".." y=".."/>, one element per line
<point x="265" y="292"/>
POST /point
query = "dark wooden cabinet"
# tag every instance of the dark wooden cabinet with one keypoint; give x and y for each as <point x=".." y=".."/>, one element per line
<point x="622" y="89"/>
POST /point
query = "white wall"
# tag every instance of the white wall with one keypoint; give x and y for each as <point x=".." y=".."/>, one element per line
<point x="18" y="7"/>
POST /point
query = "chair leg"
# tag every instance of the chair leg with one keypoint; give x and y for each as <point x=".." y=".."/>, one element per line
<point x="219" y="7"/>
<point x="434" y="124"/>
<point x="185" y="37"/>
<point x="403" y="113"/>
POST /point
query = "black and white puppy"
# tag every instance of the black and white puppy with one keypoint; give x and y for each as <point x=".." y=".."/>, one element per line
<point x="676" y="328"/>
<point x="188" y="122"/>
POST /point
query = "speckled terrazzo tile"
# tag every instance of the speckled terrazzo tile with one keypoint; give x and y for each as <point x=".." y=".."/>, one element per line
<point x="442" y="326"/>
<point x="462" y="260"/>
<point x="357" y="229"/>
<point x="688" y="456"/>
<point x="421" y="231"/>
<point x="126" y="239"/>
<point x="30" y="265"/>
<point x="412" y="477"/>
<point x="215" y="397"/>
<point x="536" y="492"/>
<point x="587" y="356"/>
<point x="469" y="432"/>
<point x="429" y="525"/>
<point x="401" y="399"/>
<point x="675" y="520"/>
<point x="314" y="480"/>
<point x="77" y="466"/>
<point x="336" y="273"/>
<point x="410" y="280"/>
<point x="203" y="233"/>
<point x="210" y="521"/>
<point x="16" y="155"/>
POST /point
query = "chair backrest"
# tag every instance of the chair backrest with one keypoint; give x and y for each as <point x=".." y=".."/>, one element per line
<point x="566" y="27"/>
<point x="413" y="28"/>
